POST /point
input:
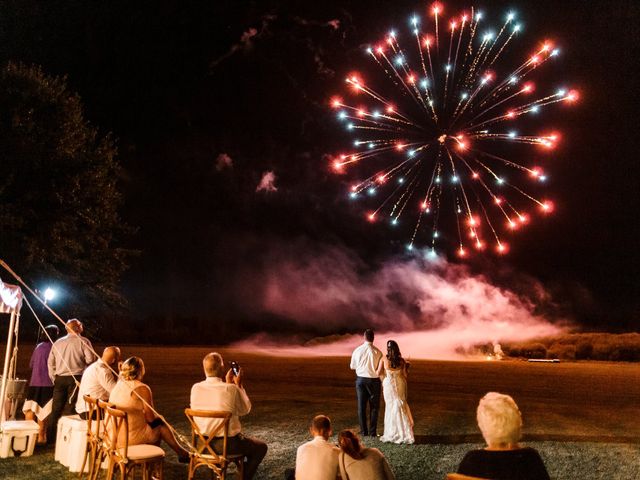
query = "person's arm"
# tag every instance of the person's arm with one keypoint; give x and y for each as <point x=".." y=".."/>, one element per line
<point x="388" y="473"/>
<point x="341" y="466"/>
<point x="51" y="363"/>
<point x="352" y="365"/>
<point x="405" y="368"/>
<point x="87" y="351"/>
<point x="192" y="397"/>
<point x="145" y="394"/>
<point x="106" y="379"/>
<point x="381" y="365"/>
<point x="242" y="403"/>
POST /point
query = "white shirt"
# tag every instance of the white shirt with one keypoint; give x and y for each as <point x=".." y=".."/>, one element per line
<point x="317" y="460"/>
<point x="365" y="360"/>
<point x="214" y="394"/>
<point x="97" y="382"/>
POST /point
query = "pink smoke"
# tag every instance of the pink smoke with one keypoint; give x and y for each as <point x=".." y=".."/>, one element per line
<point x="431" y="307"/>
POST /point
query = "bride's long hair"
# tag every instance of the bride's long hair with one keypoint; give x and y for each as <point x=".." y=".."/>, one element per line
<point x="393" y="354"/>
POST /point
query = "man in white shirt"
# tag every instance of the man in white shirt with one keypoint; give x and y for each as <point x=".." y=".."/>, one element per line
<point x="98" y="379"/>
<point x="226" y="395"/>
<point x="365" y="360"/>
<point x="318" y="459"/>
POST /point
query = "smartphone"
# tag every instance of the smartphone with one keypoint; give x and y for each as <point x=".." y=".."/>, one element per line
<point x="235" y="367"/>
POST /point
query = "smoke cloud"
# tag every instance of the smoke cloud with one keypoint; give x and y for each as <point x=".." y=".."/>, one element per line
<point x="223" y="161"/>
<point x="267" y="182"/>
<point x="430" y="306"/>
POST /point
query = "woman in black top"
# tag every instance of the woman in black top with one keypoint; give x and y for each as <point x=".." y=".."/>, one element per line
<point x="503" y="458"/>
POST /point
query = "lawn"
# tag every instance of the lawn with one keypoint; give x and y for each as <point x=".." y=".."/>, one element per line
<point x="581" y="416"/>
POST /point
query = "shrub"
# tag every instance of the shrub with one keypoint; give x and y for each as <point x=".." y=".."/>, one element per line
<point x="562" y="351"/>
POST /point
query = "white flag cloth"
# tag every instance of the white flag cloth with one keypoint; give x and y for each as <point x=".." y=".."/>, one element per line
<point x="10" y="298"/>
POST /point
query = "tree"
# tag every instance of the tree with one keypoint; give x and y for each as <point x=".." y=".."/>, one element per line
<point x="59" y="195"/>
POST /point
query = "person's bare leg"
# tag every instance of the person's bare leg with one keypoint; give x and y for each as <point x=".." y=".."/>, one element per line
<point x="42" y="434"/>
<point x="167" y="436"/>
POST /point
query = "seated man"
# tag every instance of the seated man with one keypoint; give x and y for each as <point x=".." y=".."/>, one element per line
<point x="318" y="459"/>
<point x="225" y="393"/>
<point x="98" y="380"/>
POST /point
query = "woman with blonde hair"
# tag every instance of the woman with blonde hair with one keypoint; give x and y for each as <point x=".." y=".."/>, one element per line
<point x="134" y="397"/>
<point x="503" y="458"/>
<point x="360" y="463"/>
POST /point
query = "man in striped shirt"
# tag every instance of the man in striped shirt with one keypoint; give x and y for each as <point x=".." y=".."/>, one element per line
<point x="69" y="356"/>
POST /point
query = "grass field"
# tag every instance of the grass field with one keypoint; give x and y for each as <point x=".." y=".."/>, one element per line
<point x="582" y="417"/>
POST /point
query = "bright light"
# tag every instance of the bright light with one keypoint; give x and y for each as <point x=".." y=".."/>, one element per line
<point x="572" y="96"/>
<point x="49" y="294"/>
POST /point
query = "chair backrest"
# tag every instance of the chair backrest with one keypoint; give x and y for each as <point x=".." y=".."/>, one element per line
<point x="460" y="476"/>
<point x="116" y="426"/>
<point x="93" y="416"/>
<point x="102" y="416"/>
<point x="202" y="441"/>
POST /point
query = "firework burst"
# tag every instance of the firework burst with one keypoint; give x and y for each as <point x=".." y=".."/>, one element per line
<point x="430" y="134"/>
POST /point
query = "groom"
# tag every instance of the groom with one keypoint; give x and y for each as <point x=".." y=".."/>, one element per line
<point x="365" y="361"/>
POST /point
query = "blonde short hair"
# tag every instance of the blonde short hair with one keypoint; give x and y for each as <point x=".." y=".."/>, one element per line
<point x="132" y="368"/>
<point x="499" y="419"/>
<point x="213" y="365"/>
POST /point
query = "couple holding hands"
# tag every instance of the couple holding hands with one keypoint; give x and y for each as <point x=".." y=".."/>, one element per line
<point x="370" y="366"/>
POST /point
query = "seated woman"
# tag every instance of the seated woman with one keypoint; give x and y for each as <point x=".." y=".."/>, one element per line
<point x="144" y="427"/>
<point x="361" y="463"/>
<point x="503" y="458"/>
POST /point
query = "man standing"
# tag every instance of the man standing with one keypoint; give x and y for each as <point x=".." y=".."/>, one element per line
<point x="365" y="361"/>
<point x="98" y="379"/>
<point x="69" y="356"/>
<point x="226" y="395"/>
<point x="318" y="459"/>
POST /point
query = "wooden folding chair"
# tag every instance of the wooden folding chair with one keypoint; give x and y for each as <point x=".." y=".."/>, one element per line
<point x="203" y="444"/>
<point x="94" y="437"/>
<point x="126" y="458"/>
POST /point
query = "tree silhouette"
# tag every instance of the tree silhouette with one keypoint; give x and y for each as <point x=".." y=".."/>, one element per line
<point x="59" y="193"/>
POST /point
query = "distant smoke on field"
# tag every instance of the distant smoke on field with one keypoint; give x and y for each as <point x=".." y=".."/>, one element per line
<point x="431" y="307"/>
<point x="267" y="182"/>
<point x="223" y="161"/>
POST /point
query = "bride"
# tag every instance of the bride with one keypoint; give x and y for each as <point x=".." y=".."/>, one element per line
<point x="398" y="422"/>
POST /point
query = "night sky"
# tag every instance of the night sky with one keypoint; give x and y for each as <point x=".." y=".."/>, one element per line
<point x="186" y="86"/>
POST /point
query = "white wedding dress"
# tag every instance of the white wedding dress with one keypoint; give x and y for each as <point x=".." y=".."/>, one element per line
<point x="398" y="422"/>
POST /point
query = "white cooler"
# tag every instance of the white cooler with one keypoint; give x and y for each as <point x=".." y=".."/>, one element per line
<point x="18" y="438"/>
<point x="71" y="442"/>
